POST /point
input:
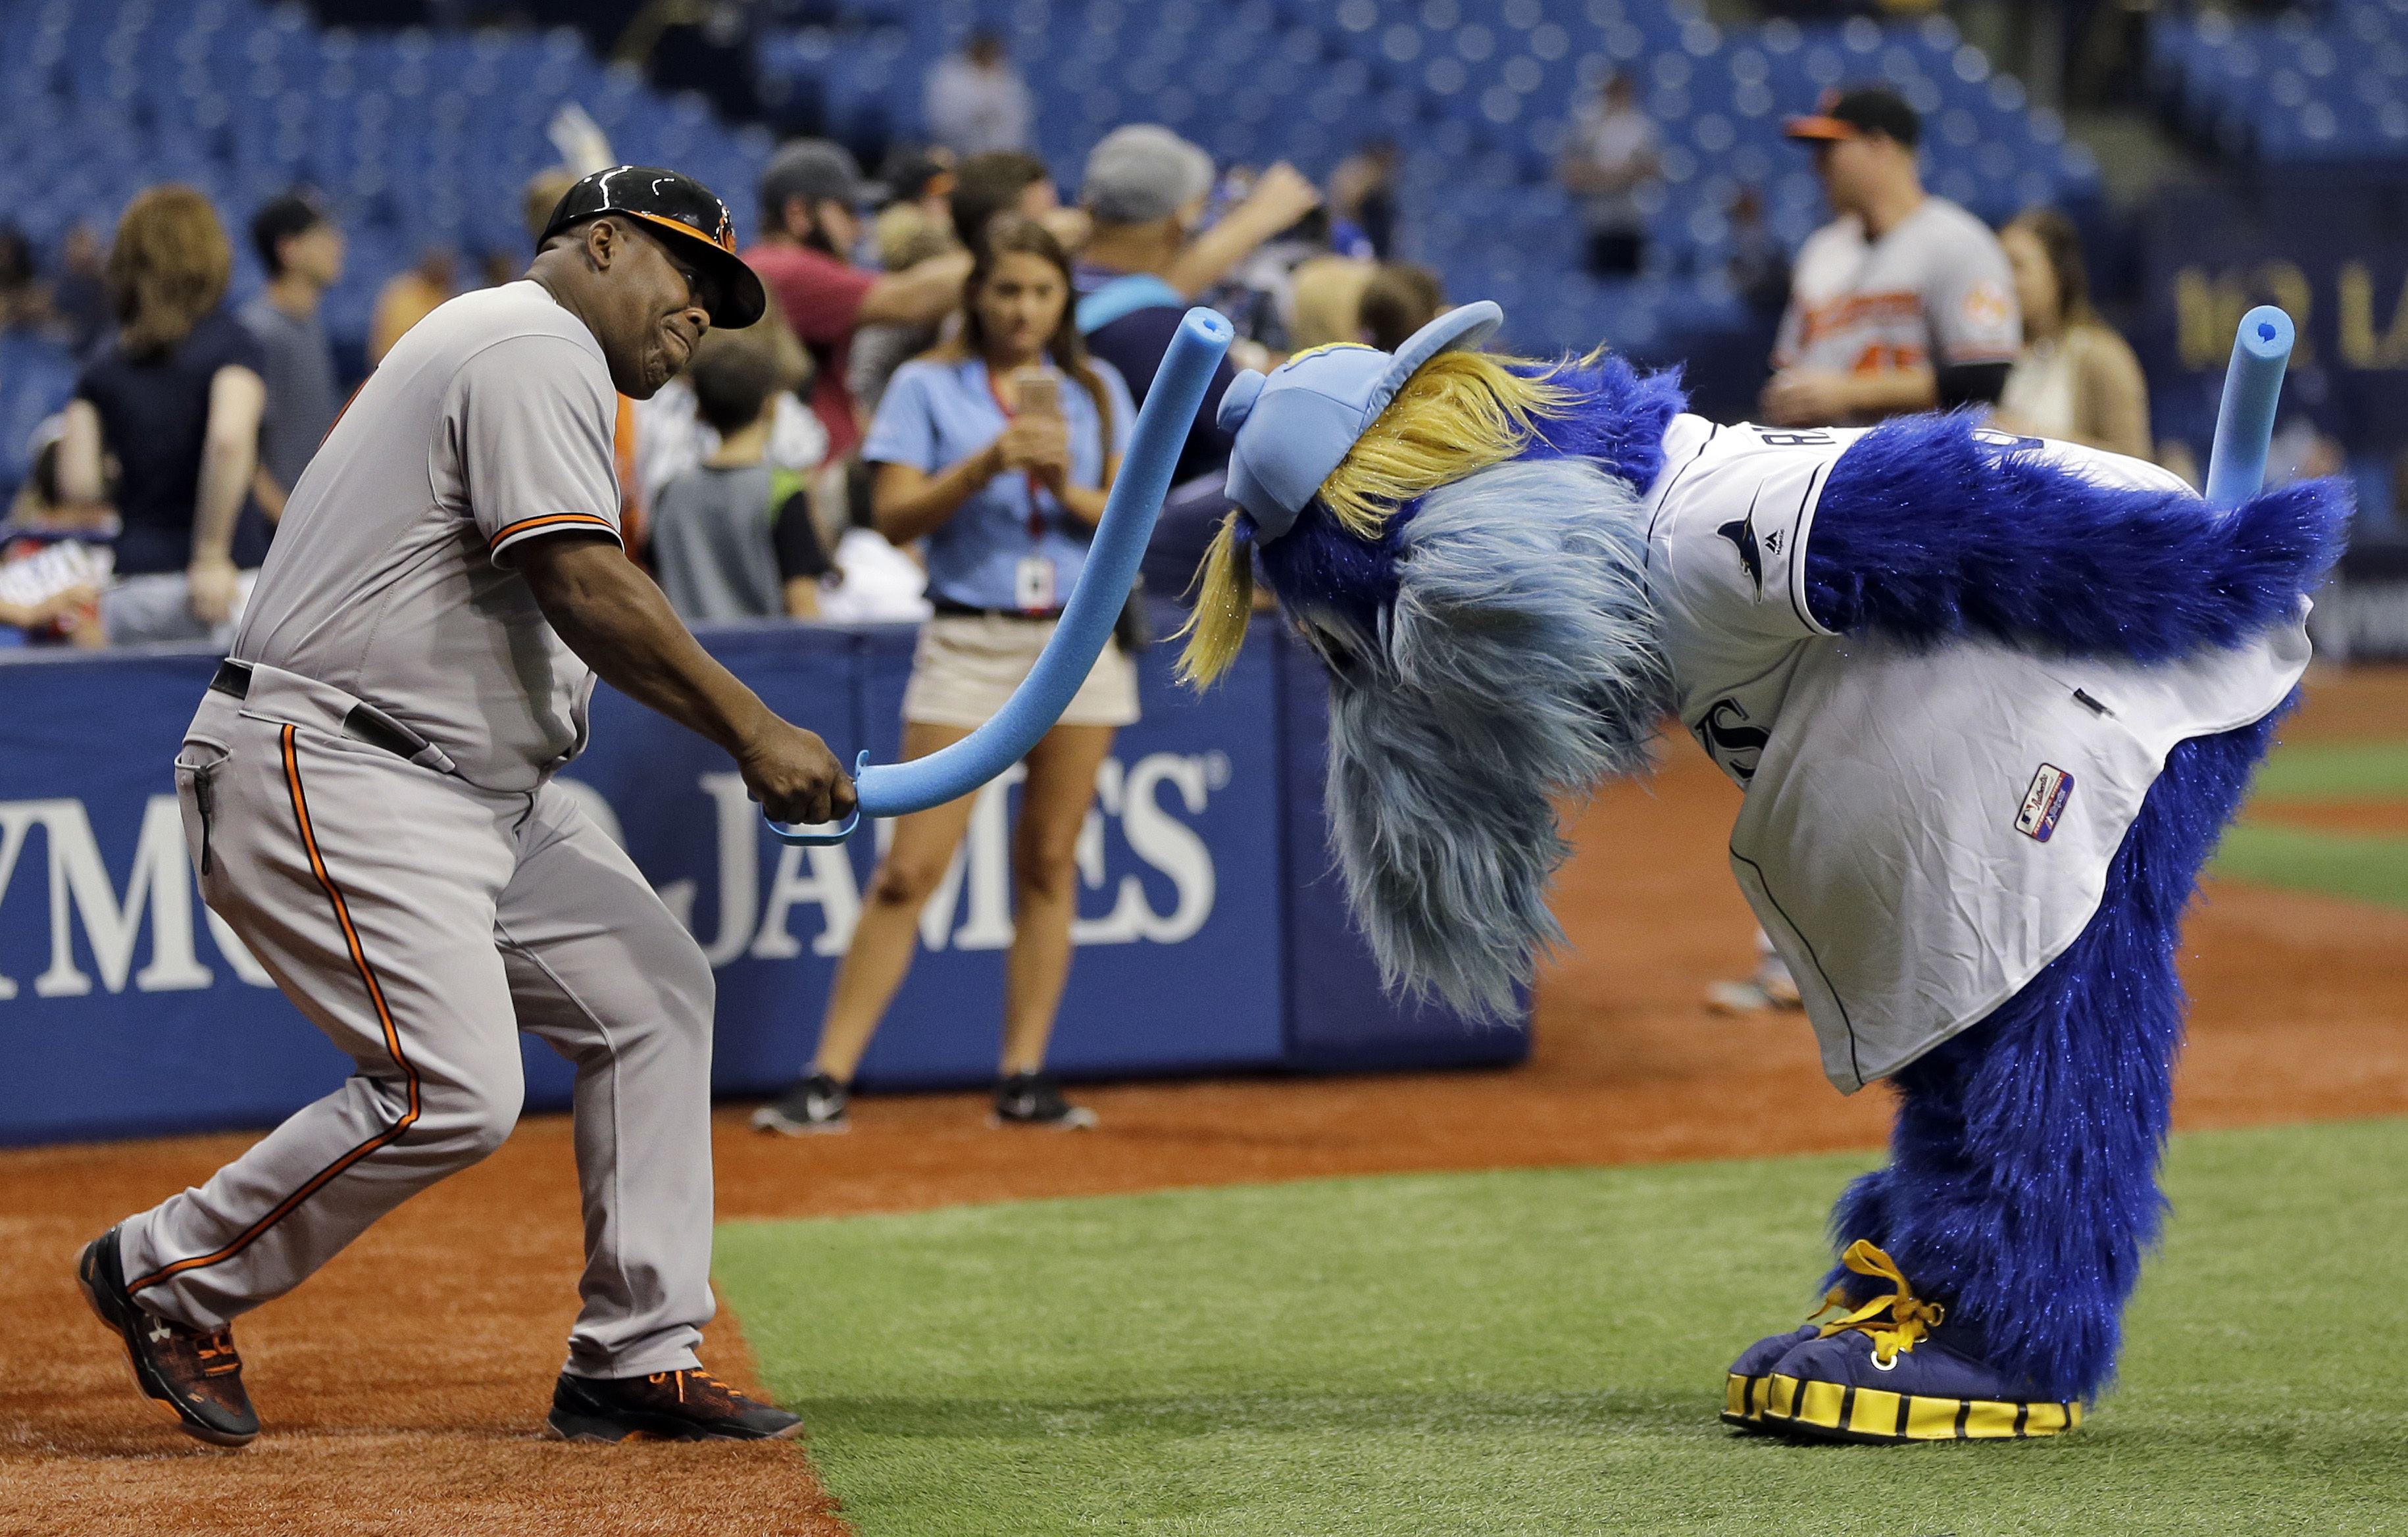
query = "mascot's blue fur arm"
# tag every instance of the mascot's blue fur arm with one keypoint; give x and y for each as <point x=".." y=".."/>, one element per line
<point x="1925" y="532"/>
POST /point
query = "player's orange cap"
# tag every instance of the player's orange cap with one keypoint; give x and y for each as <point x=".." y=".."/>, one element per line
<point x="1856" y="112"/>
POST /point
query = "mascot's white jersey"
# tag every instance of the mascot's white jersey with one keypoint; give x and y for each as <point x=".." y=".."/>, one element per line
<point x="1924" y="829"/>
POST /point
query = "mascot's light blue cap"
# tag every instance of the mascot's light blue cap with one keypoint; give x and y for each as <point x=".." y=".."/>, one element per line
<point x="1295" y="424"/>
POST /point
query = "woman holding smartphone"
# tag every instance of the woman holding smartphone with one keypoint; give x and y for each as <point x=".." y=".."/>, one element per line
<point x="998" y="449"/>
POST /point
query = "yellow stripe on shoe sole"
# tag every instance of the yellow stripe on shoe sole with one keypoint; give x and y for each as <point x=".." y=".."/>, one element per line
<point x="1930" y="1420"/>
<point x="1820" y="1404"/>
<point x="1780" y="1397"/>
<point x="1831" y="1410"/>
<point x="1874" y="1413"/>
<point x="1743" y="1402"/>
<point x="1739" y="1400"/>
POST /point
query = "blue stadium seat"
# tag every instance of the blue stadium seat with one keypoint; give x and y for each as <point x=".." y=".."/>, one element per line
<point x="2310" y="86"/>
<point x="242" y="98"/>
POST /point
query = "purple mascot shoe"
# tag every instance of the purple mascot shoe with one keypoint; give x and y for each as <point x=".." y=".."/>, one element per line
<point x="1750" y="1377"/>
<point x="1893" y="1370"/>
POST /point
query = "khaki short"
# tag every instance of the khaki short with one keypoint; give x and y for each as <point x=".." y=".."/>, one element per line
<point x="967" y="665"/>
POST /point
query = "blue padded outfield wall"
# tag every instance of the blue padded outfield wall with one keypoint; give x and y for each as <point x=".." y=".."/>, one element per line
<point x="1211" y="936"/>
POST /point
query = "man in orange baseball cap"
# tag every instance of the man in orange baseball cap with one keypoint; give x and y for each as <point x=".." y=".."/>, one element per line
<point x="1904" y="302"/>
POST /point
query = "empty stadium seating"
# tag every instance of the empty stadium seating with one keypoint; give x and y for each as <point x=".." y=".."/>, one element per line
<point x="2327" y="84"/>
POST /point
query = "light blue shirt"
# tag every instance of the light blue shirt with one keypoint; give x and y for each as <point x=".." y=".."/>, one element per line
<point x="936" y="414"/>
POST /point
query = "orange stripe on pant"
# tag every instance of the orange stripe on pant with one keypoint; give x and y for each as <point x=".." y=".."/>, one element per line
<point x="385" y="1017"/>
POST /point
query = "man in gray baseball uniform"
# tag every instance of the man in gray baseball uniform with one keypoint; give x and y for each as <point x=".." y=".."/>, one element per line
<point x="1904" y="302"/>
<point x="368" y="792"/>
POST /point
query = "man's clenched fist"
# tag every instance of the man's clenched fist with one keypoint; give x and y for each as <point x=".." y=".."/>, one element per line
<point x="794" y="777"/>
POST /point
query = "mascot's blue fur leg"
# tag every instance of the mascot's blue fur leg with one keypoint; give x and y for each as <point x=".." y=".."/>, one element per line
<point x="2022" y="1185"/>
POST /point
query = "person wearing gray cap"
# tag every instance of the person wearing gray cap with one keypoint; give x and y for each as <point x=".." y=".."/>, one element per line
<point x="1145" y="188"/>
<point x="810" y="197"/>
<point x="1144" y="191"/>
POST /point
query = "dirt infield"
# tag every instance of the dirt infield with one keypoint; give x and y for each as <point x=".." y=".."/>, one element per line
<point x="404" y="1387"/>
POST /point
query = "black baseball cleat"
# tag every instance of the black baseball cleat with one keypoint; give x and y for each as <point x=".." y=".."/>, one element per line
<point x="817" y="1105"/>
<point x="195" y="1375"/>
<point x="1031" y="1098"/>
<point x="688" y="1406"/>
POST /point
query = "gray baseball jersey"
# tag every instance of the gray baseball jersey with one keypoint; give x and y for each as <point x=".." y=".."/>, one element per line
<point x="1925" y="828"/>
<point x="365" y="793"/>
<point x="490" y="422"/>
<point x="1933" y="291"/>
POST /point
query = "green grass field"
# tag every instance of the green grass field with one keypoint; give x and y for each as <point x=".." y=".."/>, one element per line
<point x="2367" y="868"/>
<point x="2358" y="866"/>
<point x="2339" y="770"/>
<point x="1541" y="1352"/>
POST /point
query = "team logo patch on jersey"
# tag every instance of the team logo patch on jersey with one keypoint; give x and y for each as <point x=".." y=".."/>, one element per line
<point x="2044" y="802"/>
<point x="1734" y="745"/>
<point x="1988" y="304"/>
<point x="1742" y="533"/>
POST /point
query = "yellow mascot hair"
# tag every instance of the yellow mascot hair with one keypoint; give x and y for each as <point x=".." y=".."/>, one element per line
<point x="1458" y="414"/>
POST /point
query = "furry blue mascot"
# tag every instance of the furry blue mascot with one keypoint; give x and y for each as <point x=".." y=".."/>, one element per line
<point x="1992" y="700"/>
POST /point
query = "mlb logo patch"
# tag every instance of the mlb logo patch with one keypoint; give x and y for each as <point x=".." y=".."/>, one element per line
<point x="2044" y="802"/>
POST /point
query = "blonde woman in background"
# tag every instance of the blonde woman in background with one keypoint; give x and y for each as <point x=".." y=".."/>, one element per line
<point x="1325" y="296"/>
<point x="176" y="397"/>
<point x="2075" y="379"/>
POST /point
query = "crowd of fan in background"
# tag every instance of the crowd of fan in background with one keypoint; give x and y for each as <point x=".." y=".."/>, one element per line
<point x="152" y="497"/>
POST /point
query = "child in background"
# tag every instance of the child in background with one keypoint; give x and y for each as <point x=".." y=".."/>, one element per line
<point x="732" y="537"/>
<point x="52" y="594"/>
<point x="54" y="560"/>
<point x="671" y="436"/>
<point x="1399" y="300"/>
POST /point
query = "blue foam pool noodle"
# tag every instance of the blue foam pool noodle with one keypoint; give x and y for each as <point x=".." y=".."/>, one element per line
<point x="1085" y="627"/>
<point x="2244" y="421"/>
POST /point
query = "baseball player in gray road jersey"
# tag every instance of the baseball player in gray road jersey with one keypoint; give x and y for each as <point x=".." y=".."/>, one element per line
<point x="1904" y="302"/>
<point x="368" y="792"/>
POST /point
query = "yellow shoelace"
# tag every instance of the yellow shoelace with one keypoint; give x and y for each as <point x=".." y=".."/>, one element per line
<point x="1909" y="1317"/>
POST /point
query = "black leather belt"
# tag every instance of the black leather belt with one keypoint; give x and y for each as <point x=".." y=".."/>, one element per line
<point x="947" y="609"/>
<point x="362" y="723"/>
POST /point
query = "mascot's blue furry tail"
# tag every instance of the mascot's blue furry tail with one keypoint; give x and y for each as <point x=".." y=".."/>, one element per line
<point x="2022" y="1185"/>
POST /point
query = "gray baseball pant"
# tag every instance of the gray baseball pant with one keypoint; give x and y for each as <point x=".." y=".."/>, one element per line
<point x="421" y="921"/>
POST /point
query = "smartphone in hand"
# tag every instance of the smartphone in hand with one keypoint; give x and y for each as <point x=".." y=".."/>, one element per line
<point x="1036" y="393"/>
